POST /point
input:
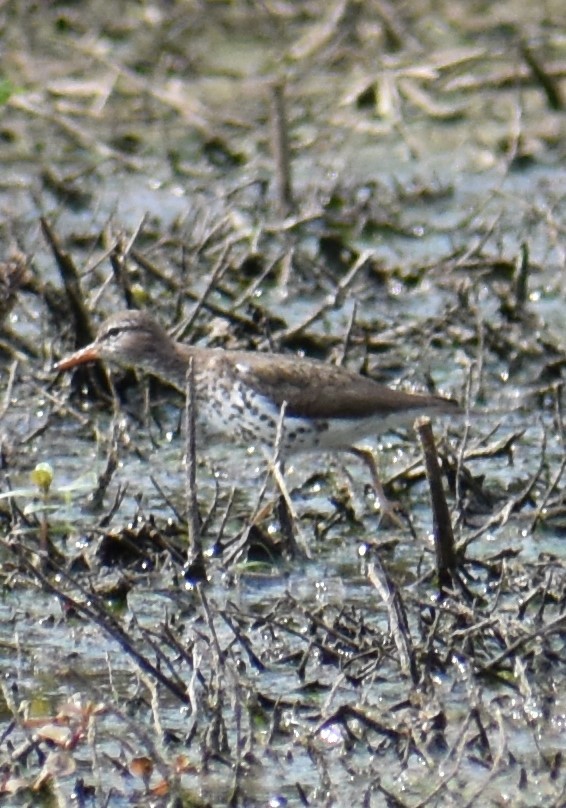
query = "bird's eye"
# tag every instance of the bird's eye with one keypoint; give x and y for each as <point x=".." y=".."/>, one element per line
<point x="112" y="332"/>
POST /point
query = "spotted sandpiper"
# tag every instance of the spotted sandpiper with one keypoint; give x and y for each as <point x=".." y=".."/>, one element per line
<point x="239" y="394"/>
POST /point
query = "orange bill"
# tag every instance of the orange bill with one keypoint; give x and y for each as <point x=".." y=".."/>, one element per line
<point x="88" y="354"/>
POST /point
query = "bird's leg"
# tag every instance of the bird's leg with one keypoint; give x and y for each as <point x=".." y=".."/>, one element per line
<point x="387" y="508"/>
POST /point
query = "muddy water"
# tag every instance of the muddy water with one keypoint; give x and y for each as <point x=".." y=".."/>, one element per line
<point x="158" y="121"/>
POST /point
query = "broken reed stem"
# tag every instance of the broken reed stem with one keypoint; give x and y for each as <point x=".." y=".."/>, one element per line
<point x="70" y="276"/>
<point x="118" y="264"/>
<point x="280" y="149"/>
<point x="521" y="276"/>
<point x="195" y="560"/>
<point x="398" y="623"/>
<point x="549" y="84"/>
<point x="96" y="498"/>
<point x="441" y="524"/>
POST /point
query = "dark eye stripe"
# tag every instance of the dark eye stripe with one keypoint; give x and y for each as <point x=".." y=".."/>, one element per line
<point x="117" y="330"/>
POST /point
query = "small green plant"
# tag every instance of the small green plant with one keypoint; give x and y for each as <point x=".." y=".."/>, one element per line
<point x="43" y="495"/>
<point x="7" y="89"/>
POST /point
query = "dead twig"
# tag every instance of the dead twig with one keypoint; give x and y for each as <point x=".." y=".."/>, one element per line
<point x="398" y="624"/>
<point x="280" y="149"/>
<point x="195" y="568"/>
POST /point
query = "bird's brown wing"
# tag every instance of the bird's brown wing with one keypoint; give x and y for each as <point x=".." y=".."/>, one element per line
<point x="313" y="389"/>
